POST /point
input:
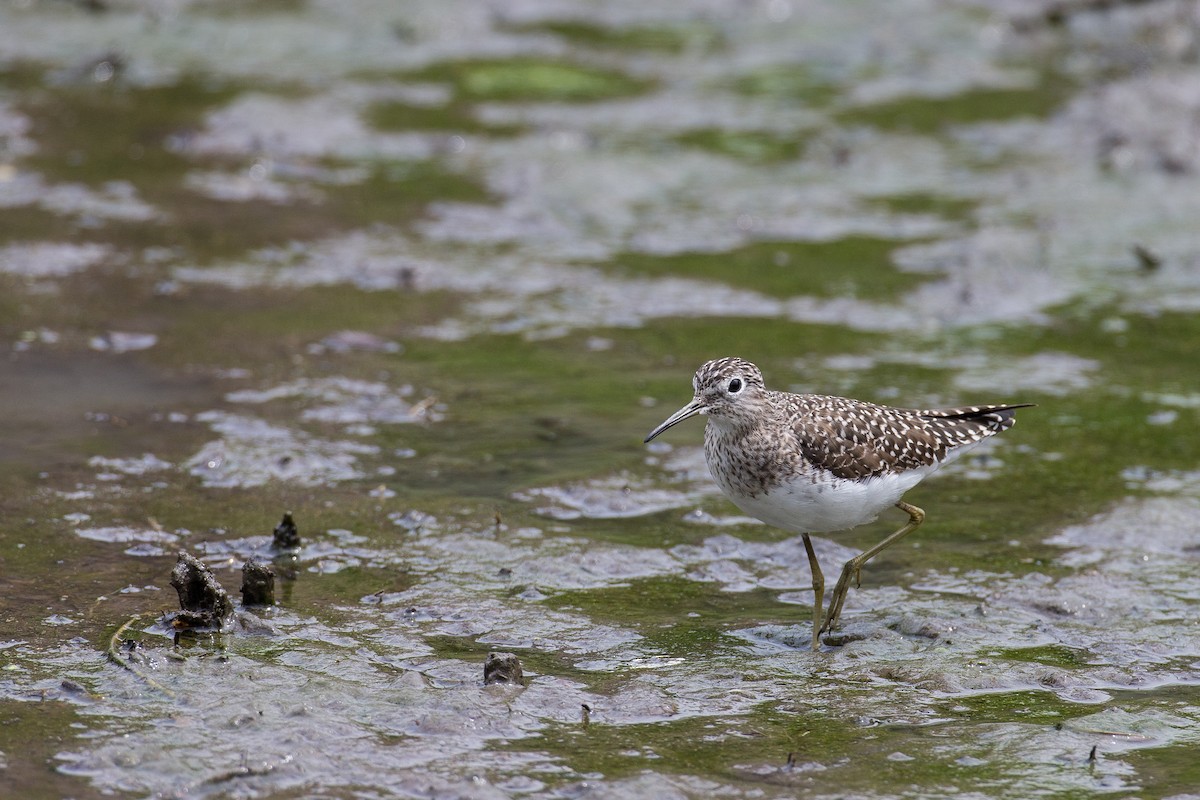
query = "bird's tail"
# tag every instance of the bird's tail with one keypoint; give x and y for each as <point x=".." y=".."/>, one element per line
<point x="994" y="418"/>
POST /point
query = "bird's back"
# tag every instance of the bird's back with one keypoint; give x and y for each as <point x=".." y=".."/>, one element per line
<point x="855" y="439"/>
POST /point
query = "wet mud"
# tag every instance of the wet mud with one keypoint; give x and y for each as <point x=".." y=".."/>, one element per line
<point x="424" y="274"/>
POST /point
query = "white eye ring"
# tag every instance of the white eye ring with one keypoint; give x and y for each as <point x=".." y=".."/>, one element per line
<point x="736" y="385"/>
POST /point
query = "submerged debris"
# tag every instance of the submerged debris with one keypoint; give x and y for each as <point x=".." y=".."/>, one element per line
<point x="286" y="533"/>
<point x="122" y="653"/>
<point x="258" y="584"/>
<point x="503" y="668"/>
<point x="202" y="600"/>
<point x="1147" y="259"/>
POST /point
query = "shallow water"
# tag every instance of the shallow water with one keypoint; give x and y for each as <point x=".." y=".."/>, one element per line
<point x="425" y="274"/>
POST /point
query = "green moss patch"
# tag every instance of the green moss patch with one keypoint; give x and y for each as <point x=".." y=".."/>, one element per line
<point x="531" y="80"/>
<point x="93" y="133"/>
<point x="1027" y="707"/>
<point x="653" y="603"/>
<point x="669" y="39"/>
<point x="788" y="83"/>
<point x="456" y="117"/>
<point x="753" y="146"/>
<point x="1052" y="655"/>
<point x="928" y="115"/>
<point x="695" y="745"/>
<point x="951" y="208"/>
<point x="858" y="266"/>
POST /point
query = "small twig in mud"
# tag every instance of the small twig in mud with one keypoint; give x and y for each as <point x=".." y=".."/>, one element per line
<point x="1148" y="260"/>
<point x="114" y="655"/>
<point x="1128" y="735"/>
<point x="244" y="771"/>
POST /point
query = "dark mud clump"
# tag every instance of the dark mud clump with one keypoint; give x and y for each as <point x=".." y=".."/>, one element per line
<point x="503" y="668"/>
<point x="258" y="584"/>
<point x="287" y="535"/>
<point x="203" y="602"/>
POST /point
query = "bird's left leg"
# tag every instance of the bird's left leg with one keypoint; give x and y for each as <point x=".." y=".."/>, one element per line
<point x="818" y="581"/>
<point x="851" y="571"/>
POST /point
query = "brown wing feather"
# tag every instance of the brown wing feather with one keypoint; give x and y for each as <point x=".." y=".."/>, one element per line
<point x="835" y="434"/>
<point x="853" y="445"/>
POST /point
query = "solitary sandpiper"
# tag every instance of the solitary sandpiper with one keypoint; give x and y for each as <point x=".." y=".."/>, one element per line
<point x="811" y="463"/>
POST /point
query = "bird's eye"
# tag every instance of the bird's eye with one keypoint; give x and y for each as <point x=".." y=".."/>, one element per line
<point x="735" y="385"/>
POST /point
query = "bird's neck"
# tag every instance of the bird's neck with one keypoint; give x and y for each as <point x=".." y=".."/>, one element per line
<point x="725" y="428"/>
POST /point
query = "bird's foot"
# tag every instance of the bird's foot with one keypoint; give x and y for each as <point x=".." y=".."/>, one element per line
<point x="851" y="572"/>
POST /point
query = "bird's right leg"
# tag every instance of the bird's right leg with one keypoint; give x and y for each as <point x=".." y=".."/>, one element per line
<point x="851" y="571"/>
<point x="818" y="581"/>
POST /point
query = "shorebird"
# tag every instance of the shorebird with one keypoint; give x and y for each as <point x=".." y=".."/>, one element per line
<point x="810" y="463"/>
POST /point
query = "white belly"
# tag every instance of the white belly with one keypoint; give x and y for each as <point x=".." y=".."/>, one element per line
<point x="805" y="506"/>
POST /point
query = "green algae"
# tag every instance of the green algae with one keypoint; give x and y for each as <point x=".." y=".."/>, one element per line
<point x="957" y="209"/>
<point x="394" y="115"/>
<point x="94" y="133"/>
<point x="397" y="193"/>
<point x="1052" y="655"/>
<point x="678" y="616"/>
<point x="236" y="8"/>
<point x="531" y="80"/>
<point x="857" y="266"/>
<point x="752" y="146"/>
<point x="706" y="745"/>
<point x="21" y="75"/>
<point x="1031" y="707"/>
<point x="930" y="115"/>
<point x="667" y="39"/>
<point x="788" y="84"/>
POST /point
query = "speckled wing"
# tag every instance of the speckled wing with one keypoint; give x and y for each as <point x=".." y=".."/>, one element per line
<point x="969" y="424"/>
<point x="856" y="440"/>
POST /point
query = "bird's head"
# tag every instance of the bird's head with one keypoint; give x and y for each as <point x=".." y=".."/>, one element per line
<point x="728" y="390"/>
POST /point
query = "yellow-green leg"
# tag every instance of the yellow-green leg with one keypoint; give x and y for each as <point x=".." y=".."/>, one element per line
<point x="818" y="580"/>
<point x="851" y="571"/>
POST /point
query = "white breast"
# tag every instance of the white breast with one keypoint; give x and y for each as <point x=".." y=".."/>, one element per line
<point x="824" y="506"/>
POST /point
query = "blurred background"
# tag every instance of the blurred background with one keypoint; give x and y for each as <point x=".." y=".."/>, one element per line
<point x="426" y="273"/>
